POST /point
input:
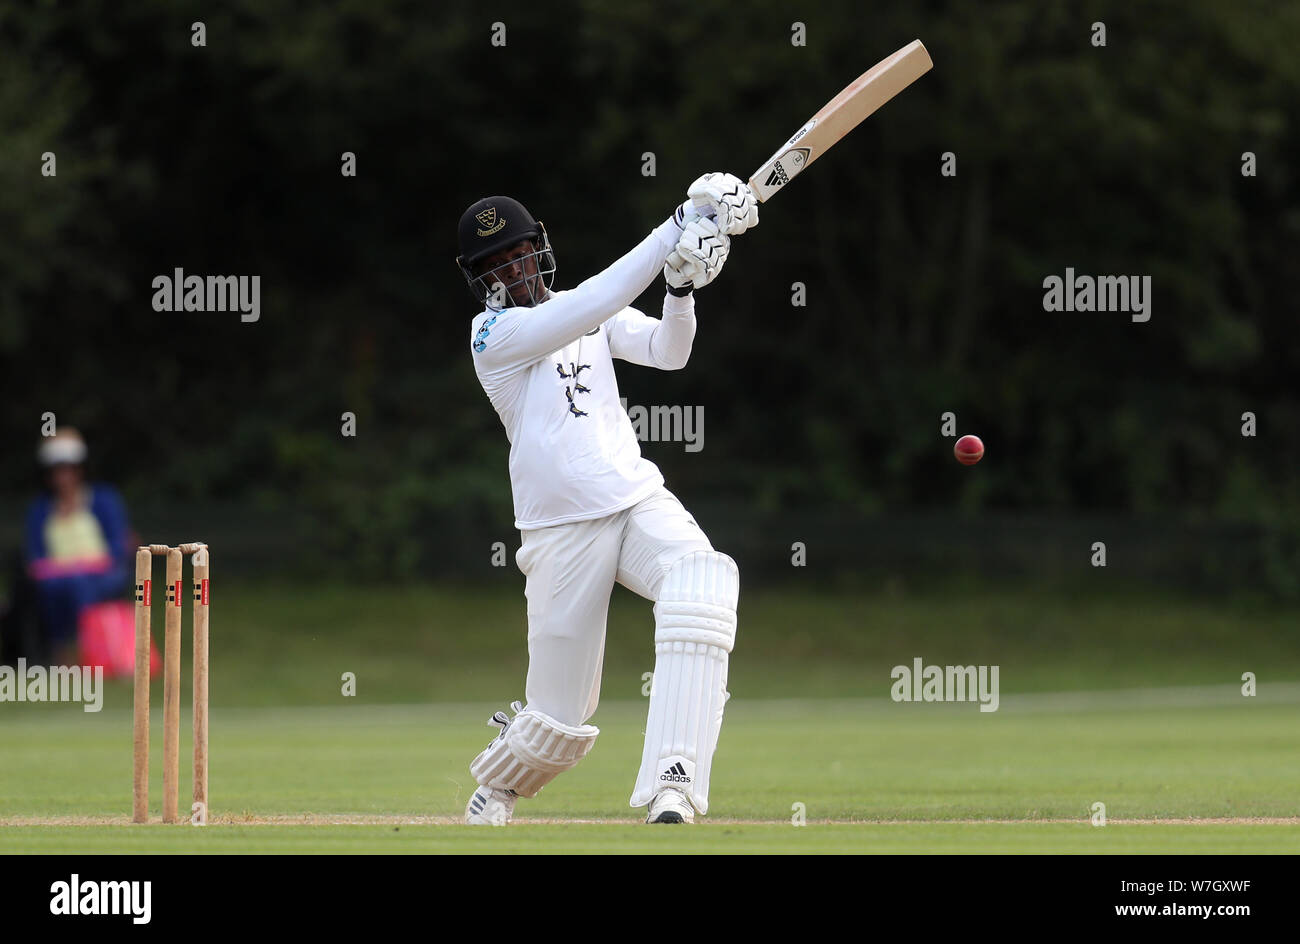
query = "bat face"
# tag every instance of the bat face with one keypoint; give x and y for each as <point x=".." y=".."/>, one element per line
<point x="841" y="115"/>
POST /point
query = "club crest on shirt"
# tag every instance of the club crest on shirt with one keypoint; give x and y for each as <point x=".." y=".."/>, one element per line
<point x="578" y="386"/>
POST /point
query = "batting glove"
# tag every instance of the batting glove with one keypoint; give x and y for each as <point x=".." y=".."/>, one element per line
<point x="731" y="202"/>
<point x="698" y="257"/>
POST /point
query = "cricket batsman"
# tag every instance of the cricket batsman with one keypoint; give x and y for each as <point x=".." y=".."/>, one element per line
<point x="591" y="510"/>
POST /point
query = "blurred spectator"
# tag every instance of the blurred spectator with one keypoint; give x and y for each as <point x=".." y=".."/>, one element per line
<point x="76" y="547"/>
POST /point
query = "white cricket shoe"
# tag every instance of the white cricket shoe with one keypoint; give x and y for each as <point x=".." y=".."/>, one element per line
<point x="670" y="806"/>
<point x="489" y="806"/>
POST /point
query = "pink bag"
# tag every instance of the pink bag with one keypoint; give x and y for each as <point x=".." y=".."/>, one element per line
<point x="106" y="634"/>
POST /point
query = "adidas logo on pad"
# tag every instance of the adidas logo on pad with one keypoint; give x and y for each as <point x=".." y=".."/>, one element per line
<point x="675" y="774"/>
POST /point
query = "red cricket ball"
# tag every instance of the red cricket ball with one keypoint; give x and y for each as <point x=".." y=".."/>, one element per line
<point x="968" y="450"/>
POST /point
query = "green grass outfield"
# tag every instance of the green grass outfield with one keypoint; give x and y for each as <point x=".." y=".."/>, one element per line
<point x="1121" y="697"/>
<point x="288" y="644"/>
<point x="873" y="776"/>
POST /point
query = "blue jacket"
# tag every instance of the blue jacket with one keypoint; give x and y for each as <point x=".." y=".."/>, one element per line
<point x="107" y="507"/>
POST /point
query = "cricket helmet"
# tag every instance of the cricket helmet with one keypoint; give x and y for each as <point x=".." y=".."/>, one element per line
<point x="491" y="225"/>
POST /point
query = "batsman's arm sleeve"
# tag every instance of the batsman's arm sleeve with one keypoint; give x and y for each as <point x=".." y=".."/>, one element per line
<point x="521" y="336"/>
<point x="652" y="342"/>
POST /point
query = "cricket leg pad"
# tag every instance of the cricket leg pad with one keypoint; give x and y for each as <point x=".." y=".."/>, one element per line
<point x="695" y="629"/>
<point x="531" y="751"/>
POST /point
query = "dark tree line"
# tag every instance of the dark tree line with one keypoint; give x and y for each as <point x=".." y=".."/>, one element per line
<point x="924" y="291"/>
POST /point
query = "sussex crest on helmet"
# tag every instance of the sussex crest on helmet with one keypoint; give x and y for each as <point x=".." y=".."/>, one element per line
<point x="488" y="222"/>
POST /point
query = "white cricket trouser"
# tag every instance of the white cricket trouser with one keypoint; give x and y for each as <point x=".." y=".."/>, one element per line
<point x="571" y="570"/>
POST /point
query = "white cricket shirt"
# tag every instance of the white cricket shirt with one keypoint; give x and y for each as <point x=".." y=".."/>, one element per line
<point x="549" y="372"/>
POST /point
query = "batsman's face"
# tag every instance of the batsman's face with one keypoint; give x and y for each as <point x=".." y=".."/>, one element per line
<point x="516" y="269"/>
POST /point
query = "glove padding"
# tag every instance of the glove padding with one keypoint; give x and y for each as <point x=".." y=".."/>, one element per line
<point x="689" y="211"/>
<point x="698" y="256"/>
<point x="727" y="199"/>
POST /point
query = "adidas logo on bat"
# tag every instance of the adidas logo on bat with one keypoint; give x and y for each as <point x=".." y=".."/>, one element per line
<point x="796" y="158"/>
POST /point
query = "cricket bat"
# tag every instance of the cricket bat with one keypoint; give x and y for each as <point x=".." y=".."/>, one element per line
<point x="839" y="116"/>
